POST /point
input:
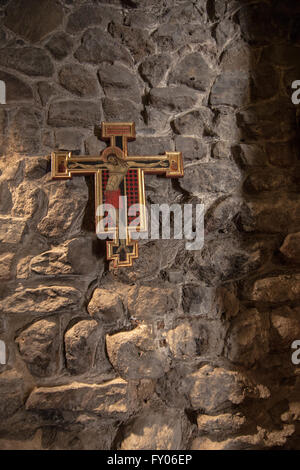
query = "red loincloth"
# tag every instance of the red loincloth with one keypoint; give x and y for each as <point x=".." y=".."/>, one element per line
<point x="112" y="197"/>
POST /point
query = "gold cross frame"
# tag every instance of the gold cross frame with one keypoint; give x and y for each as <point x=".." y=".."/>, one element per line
<point x="118" y="174"/>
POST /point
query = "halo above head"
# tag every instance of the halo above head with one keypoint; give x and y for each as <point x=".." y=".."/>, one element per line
<point x="112" y="151"/>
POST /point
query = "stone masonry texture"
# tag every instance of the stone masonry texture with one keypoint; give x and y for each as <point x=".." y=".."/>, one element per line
<point x="186" y="349"/>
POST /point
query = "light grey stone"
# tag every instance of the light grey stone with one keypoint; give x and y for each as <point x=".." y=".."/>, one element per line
<point x="195" y="123"/>
<point x="137" y="40"/>
<point x="119" y="83"/>
<point x="70" y="113"/>
<point x="215" y="177"/>
<point x="193" y="71"/>
<point x="191" y="148"/>
<point x="121" y="110"/>
<point x="173" y="99"/>
<point x="154" y="68"/>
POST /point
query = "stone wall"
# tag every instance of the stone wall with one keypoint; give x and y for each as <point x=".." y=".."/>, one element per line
<point x="187" y="349"/>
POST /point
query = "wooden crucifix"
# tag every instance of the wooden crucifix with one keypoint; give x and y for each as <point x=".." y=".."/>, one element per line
<point x="118" y="174"/>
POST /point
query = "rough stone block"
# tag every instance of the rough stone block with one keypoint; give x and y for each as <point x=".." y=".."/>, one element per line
<point x="137" y="40"/>
<point x="142" y="358"/>
<point x="218" y="177"/>
<point x="119" y="83"/>
<point x="154" y="68"/>
<point x="173" y="99"/>
<point x="80" y="346"/>
<point x="282" y="288"/>
<point x="38" y="346"/>
<point x="33" y="20"/>
<point x="291" y="247"/>
<point x="106" y="305"/>
<point x="11" y="230"/>
<point x="60" y="45"/>
<point x="61" y="219"/>
<point x="76" y="79"/>
<point x="91" y="15"/>
<point x="161" y="430"/>
<point x="74" y="113"/>
<point x="31" y="61"/>
<point x="42" y="301"/>
<point x="109" y="400"/>
<point x="98" y="46"/>
<point x="192" y="71"/>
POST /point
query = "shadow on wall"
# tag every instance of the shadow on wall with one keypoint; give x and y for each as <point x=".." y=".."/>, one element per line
<point x="256" y="77"/>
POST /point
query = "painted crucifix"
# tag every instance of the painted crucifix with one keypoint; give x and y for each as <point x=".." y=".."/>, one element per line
<point x="118" y="177"/>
